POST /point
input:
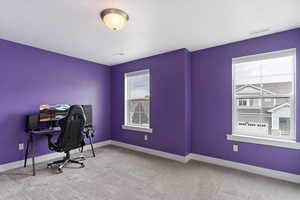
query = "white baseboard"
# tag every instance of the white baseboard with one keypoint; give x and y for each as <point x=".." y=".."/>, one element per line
<point x="216" y="161"/>
<point x="47" y="157"/>
<point x="248" y="168"/>
<point x="20" y="163"/>
<point x="97" y="145"/>
<point x="183" y="159"/>
<point x="162" y="154"/>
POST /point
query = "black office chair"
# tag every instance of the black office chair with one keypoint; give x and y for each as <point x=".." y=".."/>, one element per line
<point x="70" y="138"/>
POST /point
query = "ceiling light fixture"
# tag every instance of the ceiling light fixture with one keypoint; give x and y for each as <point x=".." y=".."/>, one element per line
<point x="114" y="18"/>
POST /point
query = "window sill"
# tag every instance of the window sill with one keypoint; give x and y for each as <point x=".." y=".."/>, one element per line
<point x="135" y="128"/>
<point x="264" y="141"/>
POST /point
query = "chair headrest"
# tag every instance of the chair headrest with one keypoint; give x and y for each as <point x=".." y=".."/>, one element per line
<point x="76" y="110"/>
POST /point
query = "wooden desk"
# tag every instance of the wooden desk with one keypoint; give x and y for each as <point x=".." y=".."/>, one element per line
<point x="31" y="143"/>
<point x="88" y="131"/>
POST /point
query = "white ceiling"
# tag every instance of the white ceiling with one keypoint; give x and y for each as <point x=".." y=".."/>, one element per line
<point x="73" y="27"/>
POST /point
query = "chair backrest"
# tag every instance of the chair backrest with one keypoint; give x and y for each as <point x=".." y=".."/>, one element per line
<point x="71" y="129"/>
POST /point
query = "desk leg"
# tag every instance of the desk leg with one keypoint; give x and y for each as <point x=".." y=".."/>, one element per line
<point x="90" y="138"/>
<point x="26" y="152"/>
<point x="33" y="155"/>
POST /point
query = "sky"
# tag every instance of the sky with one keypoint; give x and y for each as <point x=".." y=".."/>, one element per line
<point x="265" y="71"/>
<point x="254" y="72"/>
<point x="138" y="86"/>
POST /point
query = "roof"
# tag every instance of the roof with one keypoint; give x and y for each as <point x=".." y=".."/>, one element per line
<point x="254" y="87"/>
<point x="279" y="107"/>
<point x="281" y="88"/>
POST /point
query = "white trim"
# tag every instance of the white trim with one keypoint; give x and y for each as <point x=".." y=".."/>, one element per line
<point x="293" y="102"/>
<point x="290" y="144"/>
<point x="171" y="156"/>
<point x="248" y="168"/>
<point x="264" y="56"/>
<point x="136" y="128"/>
<point x="133" y="73"/>
<point x="126" y="75"/>
<point x="125" y="98"/>
<point x="47" y="157"/>
<point x="38" y="159"/>
<point x="98" y="145"/>
<point x="215" y="161"/>
<point x="233" y="98"/>
<point x="183" y="159"/>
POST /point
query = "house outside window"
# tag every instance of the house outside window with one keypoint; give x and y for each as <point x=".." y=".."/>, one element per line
<point x="264" y="95"/>
<point x="137" y="99"/>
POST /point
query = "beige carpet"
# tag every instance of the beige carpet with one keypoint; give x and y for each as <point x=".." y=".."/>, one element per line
<point x="120" y="174"/>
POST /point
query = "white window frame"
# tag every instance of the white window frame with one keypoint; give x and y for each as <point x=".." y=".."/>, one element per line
<point x="288" y="142"/>
<point x="129" y="126"/>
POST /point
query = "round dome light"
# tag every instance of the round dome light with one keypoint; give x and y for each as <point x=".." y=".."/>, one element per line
<point x="114" y="18"/>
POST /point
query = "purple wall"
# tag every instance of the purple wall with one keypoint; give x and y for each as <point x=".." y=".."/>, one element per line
<point x="170" y="102"/>
<point x="190" y="99"/>
<point x="188" y="104"/>
<point x="204" y="79"/>
<point x="30" y="77"/>
<point x="211" y="103"/>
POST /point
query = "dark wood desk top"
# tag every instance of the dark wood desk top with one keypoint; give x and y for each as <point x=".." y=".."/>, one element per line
<point x="52" y="131"/>
<point x="45" y="131"/>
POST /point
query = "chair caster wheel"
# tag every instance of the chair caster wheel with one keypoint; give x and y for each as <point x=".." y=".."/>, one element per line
<point x="59" y="170"/>
<point x="82" y="158"/>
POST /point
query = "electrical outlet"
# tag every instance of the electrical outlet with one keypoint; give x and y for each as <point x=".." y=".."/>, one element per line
<point x="145" y="137"/>
<point x="21" y="146"/>
<point x="235" y="148"/>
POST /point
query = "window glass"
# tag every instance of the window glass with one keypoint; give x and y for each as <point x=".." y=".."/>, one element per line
<point x="263" y="91"/>
<point x="137" y="109"/>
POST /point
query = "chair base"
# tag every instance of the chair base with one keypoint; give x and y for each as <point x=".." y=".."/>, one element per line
<point x="62" y="163"/>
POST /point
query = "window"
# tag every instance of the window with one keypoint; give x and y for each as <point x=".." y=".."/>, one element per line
<point x="284" y="125"/>
<point x="137" y="99"/>
<point x="255" y="103"/>
<point x="242" y="102"/>
<point x="248" y="103"/>
<point x="264" y="95"/>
